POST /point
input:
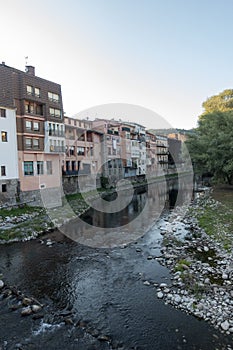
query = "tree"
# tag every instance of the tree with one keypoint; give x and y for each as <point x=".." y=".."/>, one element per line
<point x="211" y="147"/>
<point x="222" y="102"/>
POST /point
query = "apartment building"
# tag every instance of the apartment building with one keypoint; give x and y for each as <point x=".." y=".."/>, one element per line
<point x="8" y="151"/>
<point x="39" y="129"/>
<point x="112" y="157"/>
<point x="162" y="153"/>
<point x="82" y="165"/>
<point x="151" y="155"/>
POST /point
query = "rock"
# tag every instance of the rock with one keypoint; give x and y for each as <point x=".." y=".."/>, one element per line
<point x="150" y="257"/>
<point x="138" y="250"/>
<point x="224" y="276"/>
<point x="160" y="295"/>
<point x="27" y="301"/>
<point x="177" y="299"/>
<point x="225" y="325"/>
<point x="206" y="249"/>
<point x="68" y="321"/>
<point x="146" y="283"/>
<point x="103" y="338"/>
<point x="163" y="285"/>
<point x="1" y="284"/>
<point x="36" y="308"/>
<point x="26" y="311"/>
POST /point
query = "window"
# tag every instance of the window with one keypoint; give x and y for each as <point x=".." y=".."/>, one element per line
<point x="35" y="143"/>
<point x="28" y="125"/>
<point x="4" y="189"/>
<point x="40" y="168"/>
<point x="4" y="136"/>
<point x="28" y="142"/>
<point x="3" y="170"/>
<point x="28" y="168"/>
<point x="39" y="109"/>
<point x="72" y="151"/>
<point x="37" y="92"/>
<point x="81" y="151"/>
<point x="49" y="167"/>
<point x="29" y="90"/>
<point x="36" y="126"/>
<point x="109" y="151"/>
<point x="55" y="112"/>
<point x="29" y="107"/>
<point x="53" y="97"/>
<point x="2" y="113"/>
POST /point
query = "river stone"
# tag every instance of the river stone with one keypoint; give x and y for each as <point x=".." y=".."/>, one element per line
<point x="163" y="285"/>
<point x="224" y="276"/>
<point x="36" y="308"/>
<point x="206" y="249"/>
<point x="160" y="295"/>
<point x="26" y="311"/>
<point x="27" y="301"/>
<point x="146" y="283"/>
<point x="177" y="299"/>
<point x="1" y="284"/>
<point x="225" y="325"/>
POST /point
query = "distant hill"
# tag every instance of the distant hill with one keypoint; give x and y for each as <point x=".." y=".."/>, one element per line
<point x="172" y="131"/>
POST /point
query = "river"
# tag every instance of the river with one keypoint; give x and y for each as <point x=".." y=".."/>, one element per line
<point x="104" y="289"/>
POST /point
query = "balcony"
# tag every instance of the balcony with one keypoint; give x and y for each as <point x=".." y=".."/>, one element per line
<point x="76" y="172"/>
<point x="56" y="133"/>
<point x="57" y="149"/>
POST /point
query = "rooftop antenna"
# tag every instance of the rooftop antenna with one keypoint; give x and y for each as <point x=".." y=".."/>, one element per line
<point x="26" y="60"/>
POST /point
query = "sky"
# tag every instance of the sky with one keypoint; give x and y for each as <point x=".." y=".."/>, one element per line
<point x="167" y="56"/>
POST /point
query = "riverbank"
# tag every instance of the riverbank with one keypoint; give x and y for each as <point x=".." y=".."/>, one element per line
<point x="24" y="223"/>
<point x="200" y="261"/>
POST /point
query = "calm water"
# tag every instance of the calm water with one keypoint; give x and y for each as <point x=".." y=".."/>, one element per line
<point x="101" y="286"/>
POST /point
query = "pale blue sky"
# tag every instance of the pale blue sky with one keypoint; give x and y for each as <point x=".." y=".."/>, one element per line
<point x="167" y="55"/>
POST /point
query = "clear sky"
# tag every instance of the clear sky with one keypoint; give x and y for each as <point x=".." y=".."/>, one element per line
<point x="165" y="55"/>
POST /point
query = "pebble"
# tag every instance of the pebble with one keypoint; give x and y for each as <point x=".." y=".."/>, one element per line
<point x="36" y="308"/>
<point x="1" y="284"/>
<point x="26" y="311"/>
<point x="160" y="295"/>
<point x="225" y="325"/>
<point x="204" y="287"/>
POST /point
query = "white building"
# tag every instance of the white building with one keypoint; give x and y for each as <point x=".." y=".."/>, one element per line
<point x="8" y="156"/>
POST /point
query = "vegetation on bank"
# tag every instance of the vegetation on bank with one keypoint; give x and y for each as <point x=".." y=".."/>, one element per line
<point x="216" y="217"/>
<point x="211" y="146"/>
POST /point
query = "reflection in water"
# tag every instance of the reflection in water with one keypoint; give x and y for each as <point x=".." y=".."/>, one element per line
<point x="98" y="228"/>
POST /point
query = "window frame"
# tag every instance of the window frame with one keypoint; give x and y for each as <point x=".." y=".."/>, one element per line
<point x="40" y="167"/>
<point x="31" y="173"/>
<point x="3" y="170"/>
<point x="2" y="113"/>
<point x="4" y="136"/>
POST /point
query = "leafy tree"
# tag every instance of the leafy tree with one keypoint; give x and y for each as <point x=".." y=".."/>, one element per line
<point x="211" y="147"/>
<point x="222" y="102"/>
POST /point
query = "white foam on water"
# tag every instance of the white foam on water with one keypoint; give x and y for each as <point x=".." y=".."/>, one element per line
<point x="47" y="327"/>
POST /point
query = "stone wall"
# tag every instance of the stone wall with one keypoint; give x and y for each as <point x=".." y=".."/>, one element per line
<point x="47" y="197"/>
<point x="80" y="183"/>
<point x="10" y="196"/>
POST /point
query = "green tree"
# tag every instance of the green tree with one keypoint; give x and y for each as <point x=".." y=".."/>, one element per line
<point x="211" y="147"/>
<point x="222" y="102"/>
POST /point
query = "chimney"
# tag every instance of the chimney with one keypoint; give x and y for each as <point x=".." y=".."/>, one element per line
<point x="30" y="70"/>
<point x="3" y="63"/>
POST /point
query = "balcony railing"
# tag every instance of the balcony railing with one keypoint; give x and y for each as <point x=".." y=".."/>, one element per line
<point x="56" y="133"/>
<point x="76" y="172"/>
<point x="57" y="149"/>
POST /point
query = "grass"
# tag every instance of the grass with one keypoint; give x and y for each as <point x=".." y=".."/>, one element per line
<point x="181" y="264"/>
<point x="18" y="211"/>
<point x="216" y="218"/>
